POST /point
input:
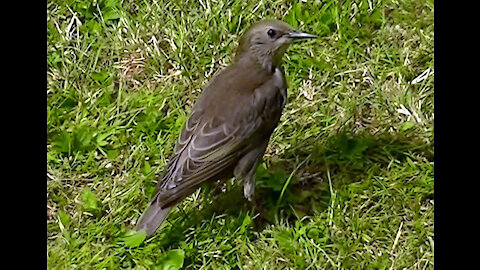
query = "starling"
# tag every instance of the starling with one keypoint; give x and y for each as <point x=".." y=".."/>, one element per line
<point x="230" y="125"/>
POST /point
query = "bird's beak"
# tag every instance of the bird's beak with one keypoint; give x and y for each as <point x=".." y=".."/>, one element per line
<point x="300" y="35"/>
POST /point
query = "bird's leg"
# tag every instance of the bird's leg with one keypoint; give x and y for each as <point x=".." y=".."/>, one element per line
<point x="245" y="173"/>
<point x="248" y="178"/>
<point x="249" y="193"/>
<point x="249" y="186"/>
<point x="254" y="201"/>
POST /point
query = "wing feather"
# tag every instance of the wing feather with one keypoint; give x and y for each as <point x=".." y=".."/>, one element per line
<point x="205" y="148"/>
<point x="215" y="136"/>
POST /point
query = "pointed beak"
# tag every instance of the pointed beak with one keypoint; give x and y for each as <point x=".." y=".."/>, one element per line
<point x="300" y="35"/>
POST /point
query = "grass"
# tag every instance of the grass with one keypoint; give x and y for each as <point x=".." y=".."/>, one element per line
<point x="348" y="178"/>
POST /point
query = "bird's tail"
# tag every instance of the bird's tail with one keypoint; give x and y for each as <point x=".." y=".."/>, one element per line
<point x="152" y="218"/>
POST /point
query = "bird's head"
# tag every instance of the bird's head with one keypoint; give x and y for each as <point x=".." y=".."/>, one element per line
<point x="266" y="41"/>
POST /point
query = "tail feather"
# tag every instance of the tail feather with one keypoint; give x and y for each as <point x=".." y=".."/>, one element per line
<point x="152" y="218"/>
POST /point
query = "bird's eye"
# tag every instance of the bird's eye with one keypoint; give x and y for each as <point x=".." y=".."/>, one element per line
<point x="271" y="33"/>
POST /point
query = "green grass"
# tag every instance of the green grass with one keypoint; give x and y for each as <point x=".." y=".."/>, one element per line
<point x="355" y="144"/>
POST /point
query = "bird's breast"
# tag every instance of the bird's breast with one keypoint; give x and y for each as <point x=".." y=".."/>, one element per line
<point x="268" y="102"/>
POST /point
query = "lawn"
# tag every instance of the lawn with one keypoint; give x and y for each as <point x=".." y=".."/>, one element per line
<point x="347" y="181"/>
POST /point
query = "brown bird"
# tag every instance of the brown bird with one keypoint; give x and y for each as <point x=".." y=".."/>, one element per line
<point x="230" y="125"/>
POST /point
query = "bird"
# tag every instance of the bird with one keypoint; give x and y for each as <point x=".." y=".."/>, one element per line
<point x="230" y="125"/>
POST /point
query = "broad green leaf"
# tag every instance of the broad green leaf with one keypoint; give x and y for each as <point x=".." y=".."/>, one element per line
<point x="110" y="14"/>
<point x="82" y="139"/>
<point x="112" y="154"/>
<point x="101" y="139"/>
<point x="173" y="260"/>
<point x="134" y="239"/>
<point x="89" y="200"/>
<point x="286" y="240"/>
<point x="246" y="221"/>
<point x="63" y="142"/>
<point x="100" y="76"/>
<point x="146" y="168"/>
<point x="64" y="218"/>
<point x="91" y="27"/>
<point x="407" y="125"/>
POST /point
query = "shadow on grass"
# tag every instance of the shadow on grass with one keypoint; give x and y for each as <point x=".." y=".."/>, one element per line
<point x="343" y="157"/>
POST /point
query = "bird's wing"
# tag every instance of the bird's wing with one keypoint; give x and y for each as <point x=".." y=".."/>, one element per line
<point x="205" y="148"/>
<point x="221" y="128"/>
